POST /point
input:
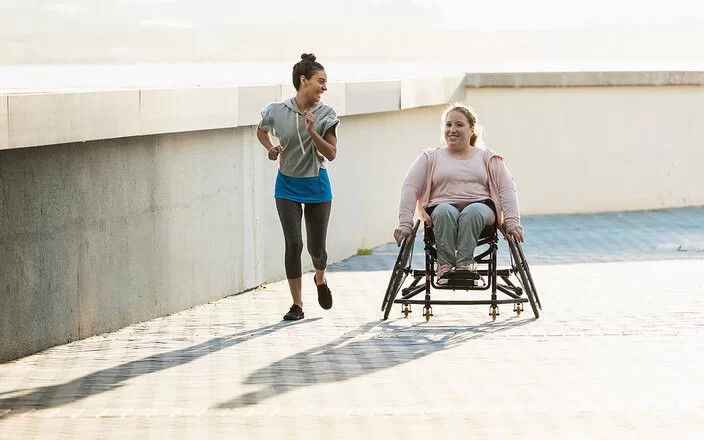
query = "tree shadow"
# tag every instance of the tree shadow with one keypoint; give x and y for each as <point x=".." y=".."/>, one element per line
<point x="349" y="357"/>
<point x="114" y="377"/>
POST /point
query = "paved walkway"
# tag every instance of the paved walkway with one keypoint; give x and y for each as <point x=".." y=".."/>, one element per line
<point x="617" y="353"/>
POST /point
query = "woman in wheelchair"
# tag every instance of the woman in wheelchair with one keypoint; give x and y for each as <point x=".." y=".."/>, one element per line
<point x="459" y="189"/>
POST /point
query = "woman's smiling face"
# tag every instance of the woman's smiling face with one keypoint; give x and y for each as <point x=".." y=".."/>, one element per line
<point x="315" y="86"/>
<point x="457" y="131"/>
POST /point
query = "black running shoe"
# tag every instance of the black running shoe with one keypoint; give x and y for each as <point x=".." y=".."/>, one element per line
<point x="324" y="294"/>
<point x="294" y="314"/>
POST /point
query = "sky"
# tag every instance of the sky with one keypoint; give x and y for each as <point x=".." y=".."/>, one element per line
<point x="557" y="14"/>
<point x="25" y="15"/>
<point x="56" y="31"/>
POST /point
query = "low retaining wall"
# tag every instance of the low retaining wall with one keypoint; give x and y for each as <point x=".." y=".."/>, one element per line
<point x="117" y="207"/>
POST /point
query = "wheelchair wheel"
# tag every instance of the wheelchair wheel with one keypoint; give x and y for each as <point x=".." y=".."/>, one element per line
<point x="530" y="277"/>
<point x="520" y="267"/>
<point x="400" y="271"/>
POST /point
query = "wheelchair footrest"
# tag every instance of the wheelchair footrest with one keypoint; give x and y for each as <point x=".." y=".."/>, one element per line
<point x="461" y="285"/>
<point x="462" y="275"/>
<point x="461" y="279"/>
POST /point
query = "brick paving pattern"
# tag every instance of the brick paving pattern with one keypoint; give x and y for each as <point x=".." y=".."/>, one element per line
<point x="617" y="353"/>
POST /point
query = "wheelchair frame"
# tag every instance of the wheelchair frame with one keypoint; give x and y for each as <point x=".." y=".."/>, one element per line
<point x="490" y="278"/>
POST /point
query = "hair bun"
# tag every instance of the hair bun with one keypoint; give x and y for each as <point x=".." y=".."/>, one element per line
<point x="308" y="57"/>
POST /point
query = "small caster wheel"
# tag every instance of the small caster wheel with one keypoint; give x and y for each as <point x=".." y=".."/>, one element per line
<point x="428" y="314"/>
<point x="518" y="309"/>
<point x="494" y="313"/>
<point x="406" y="311"/>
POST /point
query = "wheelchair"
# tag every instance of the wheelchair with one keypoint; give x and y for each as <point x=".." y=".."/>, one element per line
<point x="515" y="281"/>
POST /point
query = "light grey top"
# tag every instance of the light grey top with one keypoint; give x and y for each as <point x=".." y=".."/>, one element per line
<point x="299" y="157"/>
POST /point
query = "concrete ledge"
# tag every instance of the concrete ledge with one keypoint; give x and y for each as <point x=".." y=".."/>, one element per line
<point x="421" y="92"/>
<point x="252" y="99"/>
<point x="46" y="119"/>
<point x="372" y="97"/>
<point x="4" y="136"/>
<point x="28" y="120"/>
<point x="188" y="109"/>
<point x="584" y="79"/>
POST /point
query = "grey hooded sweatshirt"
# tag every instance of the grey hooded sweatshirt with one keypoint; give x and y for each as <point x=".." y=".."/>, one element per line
<point x="299" y="157"/>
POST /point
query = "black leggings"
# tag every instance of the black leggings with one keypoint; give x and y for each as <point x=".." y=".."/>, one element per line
<point x="317" y="216"/>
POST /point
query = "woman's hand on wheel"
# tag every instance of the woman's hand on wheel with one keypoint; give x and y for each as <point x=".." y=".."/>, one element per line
<point x="401" y="234"/>
<point x="515" y="232"/>
<point x="274" y="152"/>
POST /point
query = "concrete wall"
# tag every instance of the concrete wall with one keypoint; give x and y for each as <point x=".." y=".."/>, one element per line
<point x="591" y="149"/>
<point x="375" y="153"/>
<point x="102" y="234"/>
<point x="116" y="207"/>
<point x="98" y="235"/>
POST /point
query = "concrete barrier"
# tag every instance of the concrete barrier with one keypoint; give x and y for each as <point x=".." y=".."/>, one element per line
<point x="97" y="235"/>
<point x="120" y="206"/>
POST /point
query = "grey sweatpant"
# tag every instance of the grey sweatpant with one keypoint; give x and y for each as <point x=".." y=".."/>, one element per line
<point x="317" y="216"/>
<point x="457" y="232"/>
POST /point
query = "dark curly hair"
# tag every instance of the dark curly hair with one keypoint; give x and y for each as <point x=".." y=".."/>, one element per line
<point x="306" y="67"/>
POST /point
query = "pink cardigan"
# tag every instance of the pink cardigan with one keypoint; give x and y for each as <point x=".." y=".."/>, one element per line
<point x="502" y="190"/>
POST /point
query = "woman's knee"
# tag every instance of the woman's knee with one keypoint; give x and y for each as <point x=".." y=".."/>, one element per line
<point x="478" y="212"/>
<point x="444" y="211"/>
<point x="294" y="246"/>
<point x="316" y="251"/>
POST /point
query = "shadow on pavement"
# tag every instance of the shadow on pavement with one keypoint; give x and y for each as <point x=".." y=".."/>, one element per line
<point x="114" y="377"/>
<point x="351" y="356"/>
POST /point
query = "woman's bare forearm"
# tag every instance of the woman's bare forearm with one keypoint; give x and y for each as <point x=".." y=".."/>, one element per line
<point x="264" y="139"/>
<point x="327" y="146"/>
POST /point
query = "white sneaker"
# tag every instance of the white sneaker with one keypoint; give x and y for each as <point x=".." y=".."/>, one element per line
<point x="472" y="267"/>
<point x="443" y="270"/>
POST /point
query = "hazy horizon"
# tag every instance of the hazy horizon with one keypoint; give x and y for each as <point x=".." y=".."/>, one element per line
<point x="395" y="31"/>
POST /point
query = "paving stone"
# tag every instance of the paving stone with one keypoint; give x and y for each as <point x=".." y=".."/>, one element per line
<point x="616" y="353"/>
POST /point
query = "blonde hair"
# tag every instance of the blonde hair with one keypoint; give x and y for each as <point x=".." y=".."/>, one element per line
<point x="468" y="113"/>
